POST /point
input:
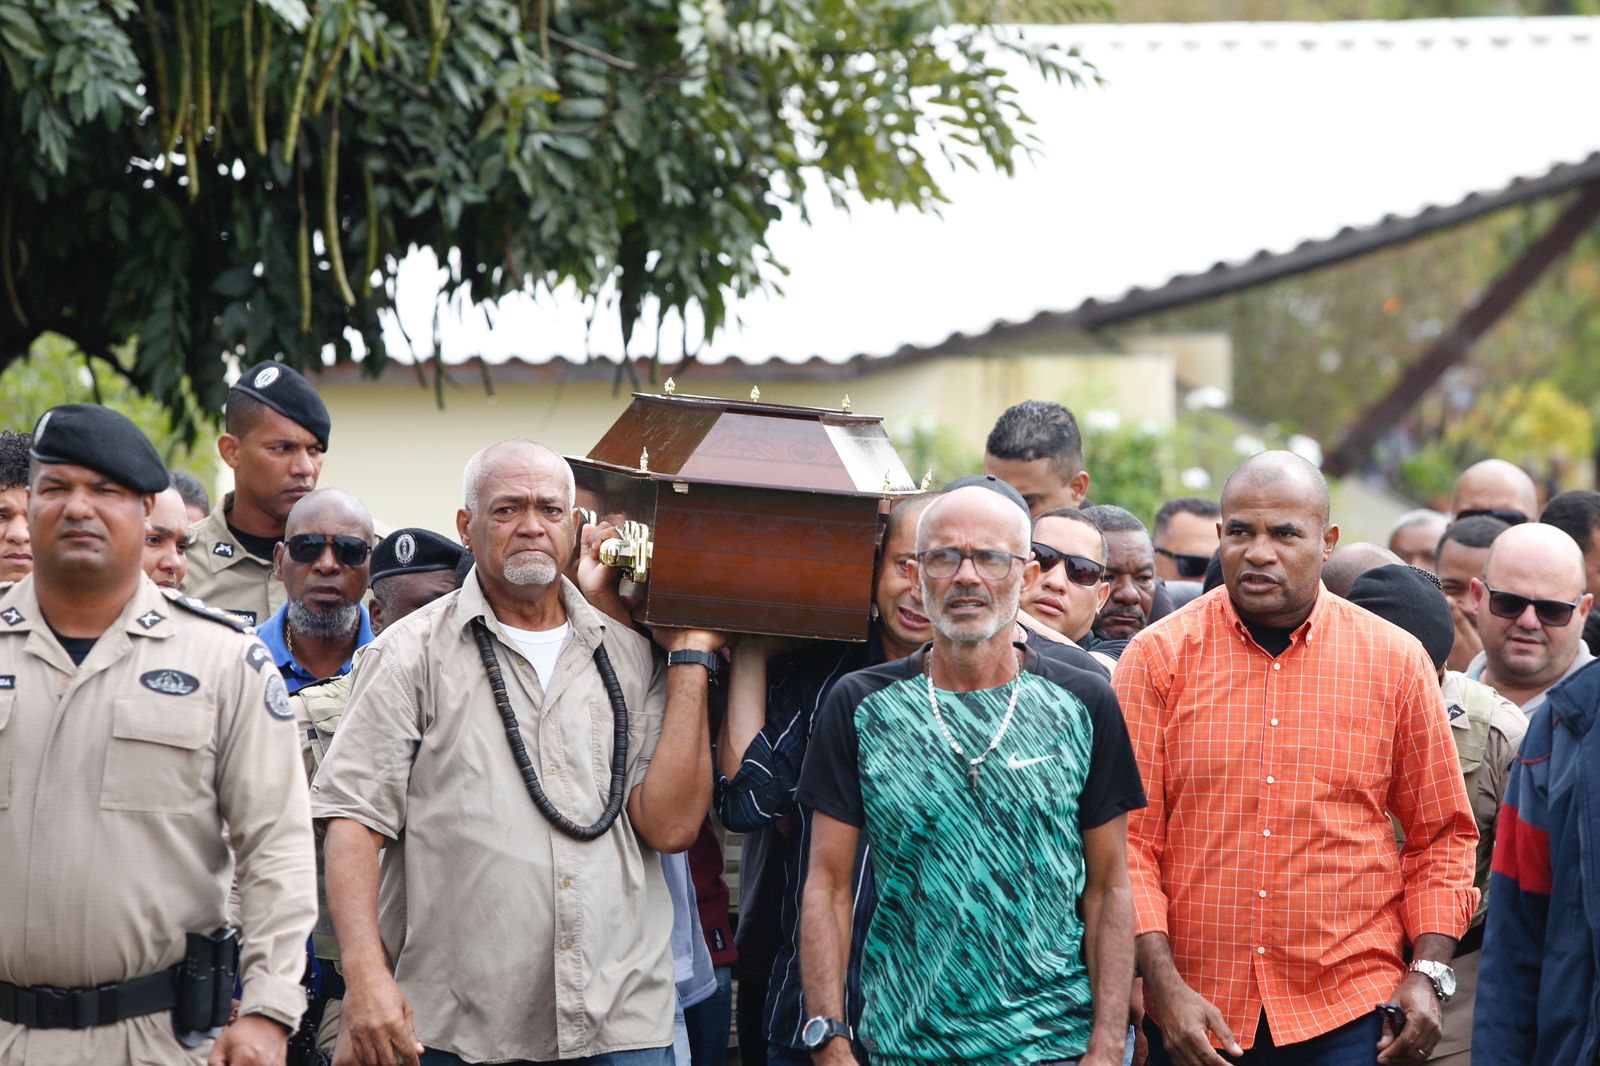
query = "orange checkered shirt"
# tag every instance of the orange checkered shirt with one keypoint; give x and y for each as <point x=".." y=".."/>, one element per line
<point x="1266" y="854"/>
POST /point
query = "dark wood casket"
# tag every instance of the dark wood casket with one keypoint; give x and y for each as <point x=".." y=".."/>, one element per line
<point x="748" y="517"/>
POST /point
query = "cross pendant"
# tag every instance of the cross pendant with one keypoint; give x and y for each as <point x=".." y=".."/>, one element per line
<point x="972" y="777"/>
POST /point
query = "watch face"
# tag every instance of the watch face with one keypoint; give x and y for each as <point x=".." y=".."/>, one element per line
<point x="815" y="1031"/>
<point x="1447" y="981"/>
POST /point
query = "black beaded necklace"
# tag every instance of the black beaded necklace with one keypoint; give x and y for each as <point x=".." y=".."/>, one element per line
<point x="619" y="750"/>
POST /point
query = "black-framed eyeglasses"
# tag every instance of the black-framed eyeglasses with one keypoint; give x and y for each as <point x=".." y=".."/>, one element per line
<point x="308" y="548"/>
<point x="992" y="564"/>
<point x="1510" y="518"/>
<point x="1555" y="613"/>
<point x="1190" y="567"/>
<point x="1081" y="570"/>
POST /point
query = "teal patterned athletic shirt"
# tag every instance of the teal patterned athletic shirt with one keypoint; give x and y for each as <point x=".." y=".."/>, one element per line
<point x="975" y="954"/>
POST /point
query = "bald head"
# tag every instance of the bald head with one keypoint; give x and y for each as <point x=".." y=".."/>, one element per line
<point x="1009" y="526"/>
<point x="1536" y="560"/>
<point x="514" y="453"/>
<point x="1495" y="485"/>
<point x="320" y="510"/>
<point x="1288" y="475"/>
<point x="1349" y="561"/>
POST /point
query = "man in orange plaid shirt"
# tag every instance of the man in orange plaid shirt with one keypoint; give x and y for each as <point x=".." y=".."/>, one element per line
<point x="1276" y="726"/>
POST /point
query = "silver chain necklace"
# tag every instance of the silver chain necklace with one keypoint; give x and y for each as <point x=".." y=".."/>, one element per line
<point x="1005" y="723"/>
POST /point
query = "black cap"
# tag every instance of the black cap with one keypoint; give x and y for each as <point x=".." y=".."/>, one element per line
<point x="413" y="551"/>
<point x="283" y="389"/>
<point x="993" y="484"/>
<point x="1411" y="599"/>
<point x="86" y="434"/>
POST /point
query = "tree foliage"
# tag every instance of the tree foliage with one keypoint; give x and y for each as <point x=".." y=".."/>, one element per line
<point x="214" y="177"/>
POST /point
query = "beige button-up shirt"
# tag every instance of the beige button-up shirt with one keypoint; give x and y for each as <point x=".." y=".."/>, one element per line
<point x="224" y="575"/>
<point x="521" y="942"/>
<point x="122" y="783"/>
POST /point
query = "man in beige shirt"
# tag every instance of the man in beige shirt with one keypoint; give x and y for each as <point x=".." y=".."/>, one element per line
<point x="537" y="928"/>
<point x="1487" y="729"/>
<point x="276" y="433"/>
<point x="147" y="760"/>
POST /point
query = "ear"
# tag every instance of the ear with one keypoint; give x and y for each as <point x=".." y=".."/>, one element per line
<point x="1079" y="487"/>
<point x="148" y="500"/>
<point x="1102" y="596"/>
<point x="1583" y="607"/>
<point x="228" y="447"/>
<point x="375" y="615"/>
<point x="277" y="560"/>
<point x="463" y="517"/>
<point x="1479" y="589"/>
<point x="1330" y="540"/>
<point x="1031" y="573"/>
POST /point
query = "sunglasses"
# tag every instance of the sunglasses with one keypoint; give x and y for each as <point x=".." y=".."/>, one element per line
<point x="1189" y="566"/>
<point x="1510" y="518"/>
<point x="308" y="548"/>
<point x="1554" y="613"/>
<point x="1080" y="571"/>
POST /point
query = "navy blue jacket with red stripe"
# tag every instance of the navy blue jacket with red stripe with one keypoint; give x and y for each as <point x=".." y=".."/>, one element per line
<point x="1539" y="983"/>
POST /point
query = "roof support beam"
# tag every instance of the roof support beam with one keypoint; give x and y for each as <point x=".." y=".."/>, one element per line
<point x="1353" y="451"/>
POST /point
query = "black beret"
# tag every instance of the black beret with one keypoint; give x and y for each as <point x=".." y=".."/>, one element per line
<point x="1411" y="599"/>
<point x="413" y="551"/>
<point x="86" y="434"/>
<point x="993" y="484"/>
<point x="286" y="392"/>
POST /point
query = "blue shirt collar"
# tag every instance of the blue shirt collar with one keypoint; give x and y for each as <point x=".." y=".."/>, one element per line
<point x="294" y="675"/>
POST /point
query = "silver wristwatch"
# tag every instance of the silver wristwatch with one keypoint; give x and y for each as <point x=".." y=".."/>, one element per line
<point x="1442" y="976"/>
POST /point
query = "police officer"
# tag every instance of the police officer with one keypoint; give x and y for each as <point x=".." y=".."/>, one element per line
<point x="276" y="433"/>
<point x="147" y="761"/>
<point x="410" y="569"/>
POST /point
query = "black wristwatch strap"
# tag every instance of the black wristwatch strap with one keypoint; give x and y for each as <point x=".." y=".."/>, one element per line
<point x="706" y="659"/>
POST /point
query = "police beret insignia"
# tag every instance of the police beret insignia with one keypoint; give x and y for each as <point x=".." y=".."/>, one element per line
<point x="405" y="549"/>
<point x="170" y="682"/>
<point x="278" y="698"/>
<point x="266" y="377"/>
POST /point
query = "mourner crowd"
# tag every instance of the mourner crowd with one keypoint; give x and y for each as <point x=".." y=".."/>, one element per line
<point x="1222" y="789"/>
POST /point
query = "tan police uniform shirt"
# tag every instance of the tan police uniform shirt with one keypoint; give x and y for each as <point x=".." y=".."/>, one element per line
<point x="1487" y="770"/>
<point x="122" y="783"/>
<point x="224" y="575"/>
<point x="521" y="942"/>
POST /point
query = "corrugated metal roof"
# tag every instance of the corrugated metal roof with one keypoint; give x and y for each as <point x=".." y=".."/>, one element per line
<point x="1212" y="157"/>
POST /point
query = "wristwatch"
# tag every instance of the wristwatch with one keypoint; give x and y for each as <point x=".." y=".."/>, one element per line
<point x="706" y="659"/>
<point x="820" y="1030"/>
<point x="1442" y="976"/>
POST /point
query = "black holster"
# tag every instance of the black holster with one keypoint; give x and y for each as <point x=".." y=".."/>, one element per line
<point x="205" y="986"/>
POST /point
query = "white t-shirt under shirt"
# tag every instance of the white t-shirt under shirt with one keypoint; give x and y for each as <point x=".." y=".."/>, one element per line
<point x="540" y="647"/>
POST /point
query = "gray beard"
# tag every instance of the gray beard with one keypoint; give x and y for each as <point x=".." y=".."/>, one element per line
<point x="532" y="568"/>
<point x="1006" y="605"/>
<point x="311" y="622"/>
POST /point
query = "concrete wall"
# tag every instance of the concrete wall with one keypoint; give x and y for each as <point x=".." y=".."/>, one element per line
<point x="393" y="447"/>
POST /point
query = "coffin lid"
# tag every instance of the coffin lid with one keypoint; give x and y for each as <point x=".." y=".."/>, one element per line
<point x="711" y="440"/>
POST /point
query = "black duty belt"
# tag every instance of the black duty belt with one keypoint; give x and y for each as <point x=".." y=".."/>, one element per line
<point x="45" y="1007"/>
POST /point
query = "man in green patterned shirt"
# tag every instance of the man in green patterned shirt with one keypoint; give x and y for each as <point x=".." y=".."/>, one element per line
<point x="993" y="785"/>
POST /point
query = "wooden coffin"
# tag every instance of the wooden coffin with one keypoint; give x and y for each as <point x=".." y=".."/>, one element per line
<point x="763" y="518"/>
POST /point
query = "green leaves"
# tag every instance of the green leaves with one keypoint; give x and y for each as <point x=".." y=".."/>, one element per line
<point x="642" y="144"/>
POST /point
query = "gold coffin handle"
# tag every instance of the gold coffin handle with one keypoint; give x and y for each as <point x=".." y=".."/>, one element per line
<point x="630" y="550"/>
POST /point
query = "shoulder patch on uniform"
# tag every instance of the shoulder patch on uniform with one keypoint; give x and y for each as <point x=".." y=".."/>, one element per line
<point x="151" y="619"/>
<point x="170" y="682"/>
<point x="8" y="682"/>
<point x="257" y="655"/>
<point x="223" y="548"/>
<point x="278" y="699"/>
<point x="205" y="610"/>
<point x="11" y="616"/>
